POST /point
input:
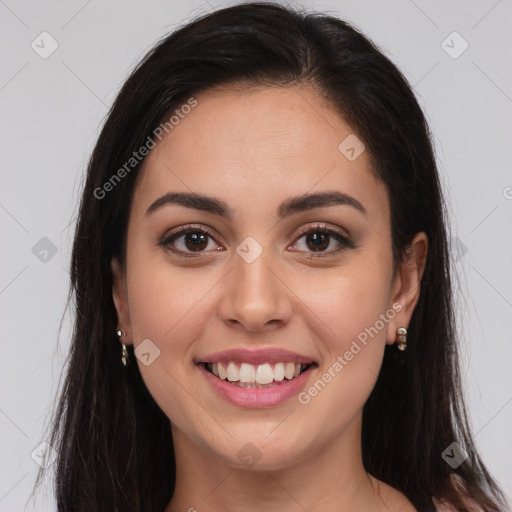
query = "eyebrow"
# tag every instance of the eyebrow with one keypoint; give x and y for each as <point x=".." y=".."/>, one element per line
<point x="289" y="207"/>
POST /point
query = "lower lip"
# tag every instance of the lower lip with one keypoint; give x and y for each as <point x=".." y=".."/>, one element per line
<point x="254" y="397"/>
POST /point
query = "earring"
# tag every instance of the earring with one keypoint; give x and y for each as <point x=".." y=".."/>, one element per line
<point x="124" y="357"/>
<point x="401" y="338"/>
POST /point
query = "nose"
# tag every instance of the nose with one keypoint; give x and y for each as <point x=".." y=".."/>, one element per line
<point x="255" y="298"/>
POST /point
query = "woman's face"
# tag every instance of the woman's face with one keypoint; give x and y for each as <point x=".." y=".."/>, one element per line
<point x="244" y="277"/>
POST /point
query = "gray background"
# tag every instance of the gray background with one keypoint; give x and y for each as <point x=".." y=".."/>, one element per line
<point x="52" y="109"/>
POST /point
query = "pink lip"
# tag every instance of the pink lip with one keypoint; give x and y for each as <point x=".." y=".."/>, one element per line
<point x="260" y="356"/>
<point x="254" y="397"/>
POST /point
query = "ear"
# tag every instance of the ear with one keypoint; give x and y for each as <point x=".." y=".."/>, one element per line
<point x="120" y="296"/>
<point x="406" y="285"/>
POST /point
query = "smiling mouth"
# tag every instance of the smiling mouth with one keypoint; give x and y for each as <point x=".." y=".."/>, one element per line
<point x="266" y="375"/>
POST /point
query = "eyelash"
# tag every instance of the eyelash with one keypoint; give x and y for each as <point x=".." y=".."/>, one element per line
<point x="346" y="243"/>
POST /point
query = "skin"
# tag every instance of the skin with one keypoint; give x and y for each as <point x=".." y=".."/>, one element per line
<point x="245" y="149"/>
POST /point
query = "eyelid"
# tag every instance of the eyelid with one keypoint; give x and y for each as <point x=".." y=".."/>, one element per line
<point x="190" y="227"/>
<point x="323" y="226"/>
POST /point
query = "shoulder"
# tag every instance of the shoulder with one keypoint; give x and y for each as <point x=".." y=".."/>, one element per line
<point x="459" y="486"/>
<point x="391" y="497"/>
<point x="441" y="506"/>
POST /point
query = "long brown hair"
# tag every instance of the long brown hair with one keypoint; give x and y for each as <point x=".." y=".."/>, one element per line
<point x="114" y="444"/>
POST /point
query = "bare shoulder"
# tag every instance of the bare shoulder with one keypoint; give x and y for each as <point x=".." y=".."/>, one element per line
<point x="392" y="498"/>
<point x="470" y="504"/>
<point x="443" y="507"/>
<point x="446" y="507"/>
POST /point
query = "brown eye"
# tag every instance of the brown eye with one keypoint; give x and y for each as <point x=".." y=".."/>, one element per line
<point x="187" y="240"/>
<point x="195" y="241"/>
<point x="316" y="240"/>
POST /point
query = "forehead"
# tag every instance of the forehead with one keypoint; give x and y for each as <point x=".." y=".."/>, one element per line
<point x="256" y="147"/>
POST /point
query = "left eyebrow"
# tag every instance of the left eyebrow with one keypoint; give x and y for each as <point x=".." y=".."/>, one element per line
<point x="319" y="200"/>
<point x="289" y="207"/>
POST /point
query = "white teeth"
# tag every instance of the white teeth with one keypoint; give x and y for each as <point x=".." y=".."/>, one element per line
<point x="264" y="374"/>
<point x="289" y="370"/>
<point x="279" y="372"/>
<point x="233" y="372"/>
<point x="246" y="373"/>
<point x="222" y="371"/>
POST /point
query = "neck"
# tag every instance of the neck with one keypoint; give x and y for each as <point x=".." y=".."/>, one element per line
<point x="328" y="479"/>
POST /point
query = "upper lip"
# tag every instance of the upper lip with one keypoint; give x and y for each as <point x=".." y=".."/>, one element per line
<point x="256" y="356"/>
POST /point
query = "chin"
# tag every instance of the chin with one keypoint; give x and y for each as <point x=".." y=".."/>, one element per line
<point x="259" y="452"/>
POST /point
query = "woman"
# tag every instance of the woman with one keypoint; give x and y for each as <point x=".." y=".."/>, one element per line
<point x="261" y="275"/>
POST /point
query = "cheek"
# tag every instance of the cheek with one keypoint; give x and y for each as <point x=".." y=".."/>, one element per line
<point x="349" y="301"/>
<point x="166" y="304"/>
<point x="351" y="334"/>
<point x="349" y="312"/>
